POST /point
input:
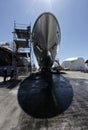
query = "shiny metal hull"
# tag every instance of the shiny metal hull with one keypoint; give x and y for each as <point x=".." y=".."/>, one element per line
<point x="46" y="38"/>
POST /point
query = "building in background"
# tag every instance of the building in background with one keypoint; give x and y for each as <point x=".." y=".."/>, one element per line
<point x="77" y="64"/>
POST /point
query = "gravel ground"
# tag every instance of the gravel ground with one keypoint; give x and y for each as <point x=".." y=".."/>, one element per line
<point x="12" y="117"/>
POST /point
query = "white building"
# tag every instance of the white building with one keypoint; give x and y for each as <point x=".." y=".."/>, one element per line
<point x="77" y="63"/>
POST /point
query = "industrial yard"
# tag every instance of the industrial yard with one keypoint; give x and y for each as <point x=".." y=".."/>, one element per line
<point x="12" y="117"/>
<point x="43" y="65"/>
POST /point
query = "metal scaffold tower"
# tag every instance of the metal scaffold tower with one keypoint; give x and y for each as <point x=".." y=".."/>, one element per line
<point x="22" y="40"/>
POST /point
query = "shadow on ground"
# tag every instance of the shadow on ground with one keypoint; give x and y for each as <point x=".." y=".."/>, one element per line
<point x="45" y="95"/>
<point x="10" y="84"/>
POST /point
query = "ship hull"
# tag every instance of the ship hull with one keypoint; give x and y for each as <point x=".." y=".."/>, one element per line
<point x="46" y="38"/>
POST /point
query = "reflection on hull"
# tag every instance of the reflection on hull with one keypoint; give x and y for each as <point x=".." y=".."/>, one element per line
<point x="46" y="38"/>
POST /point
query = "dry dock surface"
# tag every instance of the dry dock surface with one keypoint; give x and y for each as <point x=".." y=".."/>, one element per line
<point x="12" y="117"/>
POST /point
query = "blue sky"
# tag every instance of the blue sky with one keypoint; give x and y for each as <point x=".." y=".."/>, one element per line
<point x="71" y="14"/>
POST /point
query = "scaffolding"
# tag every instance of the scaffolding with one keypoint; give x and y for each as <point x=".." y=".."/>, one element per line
<point x="22" y="40"/>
